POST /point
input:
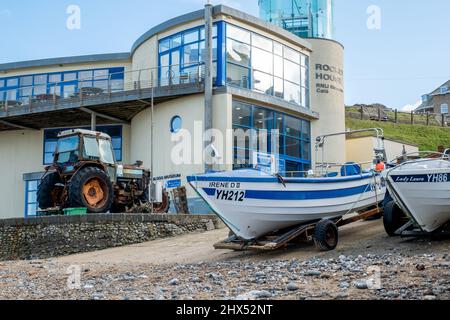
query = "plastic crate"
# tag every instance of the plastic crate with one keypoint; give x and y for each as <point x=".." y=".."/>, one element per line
<point x="75" y="211"/>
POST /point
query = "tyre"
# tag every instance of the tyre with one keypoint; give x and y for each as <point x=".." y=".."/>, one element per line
<point x="91" y="188"/>
<point x="47" y="193"/>
<point x="393" y="218"/>
<point x="326" y="235"/>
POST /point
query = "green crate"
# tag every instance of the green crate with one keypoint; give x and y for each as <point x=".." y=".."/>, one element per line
<point x="75" y="211"/>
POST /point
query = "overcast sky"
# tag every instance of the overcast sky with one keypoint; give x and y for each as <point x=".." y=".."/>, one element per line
<point x="393" y="65"/>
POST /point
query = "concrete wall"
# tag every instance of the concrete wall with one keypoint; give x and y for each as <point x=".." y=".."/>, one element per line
<point x="327" y="96"/>
<point x="361" y="150"/>
<point x="20" y="152"/>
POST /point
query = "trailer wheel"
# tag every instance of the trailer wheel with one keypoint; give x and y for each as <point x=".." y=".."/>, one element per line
<point x="326" y="235"/>
<point x="393" y="218"/>
<point x="48" y="192"/>
<point x="91" y="188"/>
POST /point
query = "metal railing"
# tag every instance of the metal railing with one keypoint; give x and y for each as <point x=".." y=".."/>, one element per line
<point x="76" y="91"/>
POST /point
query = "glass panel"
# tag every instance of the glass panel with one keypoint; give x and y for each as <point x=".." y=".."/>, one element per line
<point x="68" y="91"/>
<point x="306" y="150"/>
<point x="291" y="71"/>
<point x="2" y="83"/>
<point x="237" y="76"/>
<point x="202" y="32"/>
<point x="101" y="74"/>
<point x="304" y="61"/>
<point x="68" y="144"/>
<point x="174" y="74"/>
<point x="278" y="66"/>
<point x="293" y="147"/>
<point x="85" y="84"/>
<point x="32" y="209"/>
<point x="50" y="146"/>
<point x="292" y="55"/>
<point x="191" y="54"/>
<point x="191" y="36"/>
<point x="279" y="122"/>
<point x="304" y="101"/>
<point x="263" y="82"/>
<point x="118" y="154"/>
<point x="32" y="197"/>
<point x="70" y="76"/>
<point x="175" y="41"/>
<point x="262" y="118"/>
<point x="242" y="114"/>
<point x="278" y="48"/>
<point x="304" y="77"/>
<point x="293" y="127"/>
<point x="203" y="51"/>
<point x="91" y="147"/>
<point x="238" y="53"/>
<point x="11" y="95"/>
<point x="25" y="92"/>
<point x="12" y="82"/>
<point x="278" y="89"/>
<point x="117" y="85"/>
<point x="106" y="152"/>
<point x="117" y="142"/>
<point x="102" y="84"/>
<point x="164" y="45"/>
<point x="165" y="60"/>
<point x="54" y="78"/>
<point x="85" y="75"/>
<point x="291" y="92"/>
<point x="32" y="186"/>
<point x="262" y="42"/>
<point x="39" y="90"/>
<point x="41" y="79"/>
<point x="262" y="60"/>
<point x="26" y="81"/>
<point x="238" y="34"/>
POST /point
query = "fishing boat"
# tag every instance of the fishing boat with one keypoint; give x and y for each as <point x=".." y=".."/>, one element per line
<point x="254" y="202"/>
<point x="420" y="190"/>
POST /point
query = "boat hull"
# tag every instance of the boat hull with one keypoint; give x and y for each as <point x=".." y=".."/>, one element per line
<point x="424" y="193"/>
<point x="254" y="207"/>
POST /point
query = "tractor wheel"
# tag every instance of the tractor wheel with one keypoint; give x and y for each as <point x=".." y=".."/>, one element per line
<point x="326" y="235"/>
<point x="91" y="188"/>
<point x="393" y="218"/>
<point x="47" y="193"/>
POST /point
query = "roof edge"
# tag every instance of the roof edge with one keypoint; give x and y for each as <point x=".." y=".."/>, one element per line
<point x="64" y="60"/>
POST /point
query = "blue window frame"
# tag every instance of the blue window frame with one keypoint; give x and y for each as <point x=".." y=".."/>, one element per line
<point x="50" y="140"/>
<point x="31" y="204"/>
<point x="63" y="84"/>
<point x="294" y="145"/>
<point x="182" y="54"/>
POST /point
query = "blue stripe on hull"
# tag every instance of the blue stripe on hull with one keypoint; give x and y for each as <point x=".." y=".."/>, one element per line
<point x="298" y="195"/>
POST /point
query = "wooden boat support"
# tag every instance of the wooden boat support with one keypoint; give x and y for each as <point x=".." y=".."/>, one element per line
<point x="301" y="233"/>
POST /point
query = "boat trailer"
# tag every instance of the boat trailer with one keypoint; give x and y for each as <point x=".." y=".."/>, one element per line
<point x="301" y="233"/>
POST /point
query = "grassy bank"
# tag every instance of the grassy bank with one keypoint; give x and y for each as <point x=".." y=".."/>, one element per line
<point x="428" y="138"/>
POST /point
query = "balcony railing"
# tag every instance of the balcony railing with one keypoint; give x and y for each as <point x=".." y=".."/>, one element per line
<point x="117" y="82"/>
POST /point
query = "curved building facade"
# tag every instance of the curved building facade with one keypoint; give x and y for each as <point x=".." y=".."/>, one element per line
<point x="265" y="80"/>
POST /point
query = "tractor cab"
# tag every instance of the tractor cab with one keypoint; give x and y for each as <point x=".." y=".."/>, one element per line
<point x="78" y="146"/>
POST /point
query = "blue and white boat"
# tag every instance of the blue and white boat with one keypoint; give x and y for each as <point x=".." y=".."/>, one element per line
<point x="254" y="203"/>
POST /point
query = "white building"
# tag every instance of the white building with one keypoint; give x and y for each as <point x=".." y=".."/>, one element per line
<point x="263" y="77"/>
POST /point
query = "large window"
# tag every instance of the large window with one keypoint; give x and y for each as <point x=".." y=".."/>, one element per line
<point x="50" y="141"/>
<point x="264" y="65"/>
<point x="253" y="127"/>
<point x="62" y="84"/>
<point x="181" y="56"/>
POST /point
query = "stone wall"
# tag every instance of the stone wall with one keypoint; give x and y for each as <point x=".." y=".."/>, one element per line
<point x="46" y="237"/>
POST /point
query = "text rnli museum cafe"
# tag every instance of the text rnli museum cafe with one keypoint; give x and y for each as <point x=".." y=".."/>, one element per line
<point x="262" y="78"/>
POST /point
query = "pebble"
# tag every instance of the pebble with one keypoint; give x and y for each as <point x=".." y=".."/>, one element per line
<point x="292" y="286"/>
<point x="312" y="273"/>
<point x="429" y="298"/>
<point x="360" y="284"/>
<point x="174" y="282"/>
<point x="420" y="267"/>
